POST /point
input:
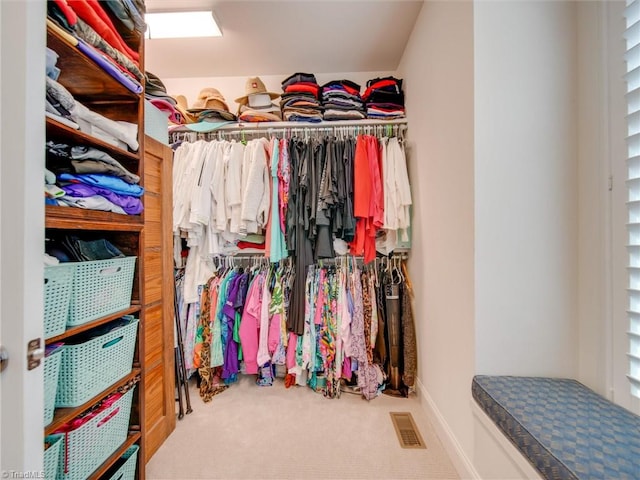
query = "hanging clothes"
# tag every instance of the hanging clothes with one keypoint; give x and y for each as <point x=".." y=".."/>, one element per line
<point x="209" y="377"/>
<point x="299" y="197"/>
<point x="300" y="153"/>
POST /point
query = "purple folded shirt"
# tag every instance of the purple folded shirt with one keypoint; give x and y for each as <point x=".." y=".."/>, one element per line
<point x="104" y="62"/>
<point x="131" y="205"/>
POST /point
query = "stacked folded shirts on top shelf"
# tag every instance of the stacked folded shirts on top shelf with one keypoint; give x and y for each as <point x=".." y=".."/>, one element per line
<point x="341" y="100"/>
<point x="300" y="101"/>
<point x="384" y="98"/>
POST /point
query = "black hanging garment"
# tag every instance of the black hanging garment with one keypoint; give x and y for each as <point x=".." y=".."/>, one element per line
<point x="394" y="338"/>
<point x="300" y="153"/>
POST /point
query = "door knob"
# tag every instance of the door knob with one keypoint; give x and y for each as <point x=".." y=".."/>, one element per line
<point x="4" y="358"/>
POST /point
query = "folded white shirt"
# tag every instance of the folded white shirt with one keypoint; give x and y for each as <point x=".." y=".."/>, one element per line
<point x="95" y="202"/>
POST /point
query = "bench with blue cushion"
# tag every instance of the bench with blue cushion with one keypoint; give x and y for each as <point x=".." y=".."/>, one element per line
<point x="563" y="428"/>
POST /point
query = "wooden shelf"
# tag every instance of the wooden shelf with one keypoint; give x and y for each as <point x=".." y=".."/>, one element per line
<point x="63" y="415"/>
<point x="95" y="323"/>
<point x="84" y="78"/>
<point x="132" y="438"/>
<point x="103" y="94"/>
<point x="72" y="218"/>
<point x="61" y="133"/>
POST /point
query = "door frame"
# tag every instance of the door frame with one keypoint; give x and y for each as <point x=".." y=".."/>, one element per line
<point x="22" y="46"/>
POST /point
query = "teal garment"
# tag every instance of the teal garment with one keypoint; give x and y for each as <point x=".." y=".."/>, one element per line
<point x="225" y="332"/>
<point x="236" y="334"/>
<point x="217" y="353"/>
<point x="278" y="247"/>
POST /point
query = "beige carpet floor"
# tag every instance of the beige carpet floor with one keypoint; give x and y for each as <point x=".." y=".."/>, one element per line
<point x="251" y="432"/>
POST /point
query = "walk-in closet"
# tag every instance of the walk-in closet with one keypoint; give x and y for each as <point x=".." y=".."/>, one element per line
<point x="261" y="238"/>
<point x="284" y="249"/>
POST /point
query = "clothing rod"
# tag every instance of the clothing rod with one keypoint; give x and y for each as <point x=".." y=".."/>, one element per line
<point x="246" y="126"/>
<point x="401" y="255"/>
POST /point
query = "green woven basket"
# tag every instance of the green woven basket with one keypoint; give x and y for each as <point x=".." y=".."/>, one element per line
<point x="87" y="447"/>
<point x="51" y="456"/>
<point x="51" y="370"/>
<point x="89" y="368"/>
<point x="58" y="280"/>
<point x="128" y="469"/>
<point x="100" y="288"/>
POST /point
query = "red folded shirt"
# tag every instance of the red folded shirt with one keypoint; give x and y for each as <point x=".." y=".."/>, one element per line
<point x="88" y="10"/>
<point x="68" y="12"/>
<point x="380" y="84"/>
<point x="305" y="87"/>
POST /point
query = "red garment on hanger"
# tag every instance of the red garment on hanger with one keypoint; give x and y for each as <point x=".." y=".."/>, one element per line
<point x="368" y="197"/>
<point x="376" y="207"/>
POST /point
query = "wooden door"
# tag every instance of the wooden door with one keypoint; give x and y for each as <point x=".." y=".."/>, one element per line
<point x="158" y="377"/>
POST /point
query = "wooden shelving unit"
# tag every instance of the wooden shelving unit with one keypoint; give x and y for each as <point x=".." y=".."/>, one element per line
<point x="85" y="79"/>
<point x="63" y="415"/>
<point x="70" y="332"/>
<point x="97" y="90"/>
<point x="79" y="219"/>
<point x="134" y="437"/>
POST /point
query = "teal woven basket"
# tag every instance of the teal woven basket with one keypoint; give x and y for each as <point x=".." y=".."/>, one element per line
<point x="58" y="280"/>
<point x="87" y="447"/>
<point x="100" y="288"/>
<point x="128" y="469"/>
<point x="89" y="368"/>
<point x="52" y="456"/>
<point x="51" y="371"/>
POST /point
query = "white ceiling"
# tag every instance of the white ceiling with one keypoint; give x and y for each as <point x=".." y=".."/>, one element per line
<point x="274" y="37"/>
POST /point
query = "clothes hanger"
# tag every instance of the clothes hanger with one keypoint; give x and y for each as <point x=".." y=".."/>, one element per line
<point x="375" y="271"/>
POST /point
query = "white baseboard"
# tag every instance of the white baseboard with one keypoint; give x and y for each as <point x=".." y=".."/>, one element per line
<point x="460" y="460"/>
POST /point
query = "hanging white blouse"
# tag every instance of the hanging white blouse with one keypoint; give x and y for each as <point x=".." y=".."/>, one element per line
<point x="219" y="219"/>
<point x="255" y="197"/>
<point x="233" y="191"/>
<point x="201" y="194"/>
<point x="397" y="196"/>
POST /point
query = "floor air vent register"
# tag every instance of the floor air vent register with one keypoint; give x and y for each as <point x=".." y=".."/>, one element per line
<point x="407" y="431"/>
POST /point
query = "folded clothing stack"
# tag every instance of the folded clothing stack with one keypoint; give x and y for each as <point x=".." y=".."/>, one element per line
<point x="62" y="106"/>
<point x="91" y="27"/>
<point x="70" y="248"/>
<point x="92" y="179"/>
<point x="300" y="101"/>
<point x="341" y="100"/>
<point x="384" y="98"/>
<point x="156" y="93"/>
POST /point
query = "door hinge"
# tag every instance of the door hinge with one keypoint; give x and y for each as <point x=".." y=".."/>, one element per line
<point x="35" y="353"/>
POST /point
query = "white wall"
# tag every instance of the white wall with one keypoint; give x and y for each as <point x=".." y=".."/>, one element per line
<point x="234" y="87"/>
<point x="525" y="188"/>
<point x="594" y="276"/>
<point x="437" y="66"/>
